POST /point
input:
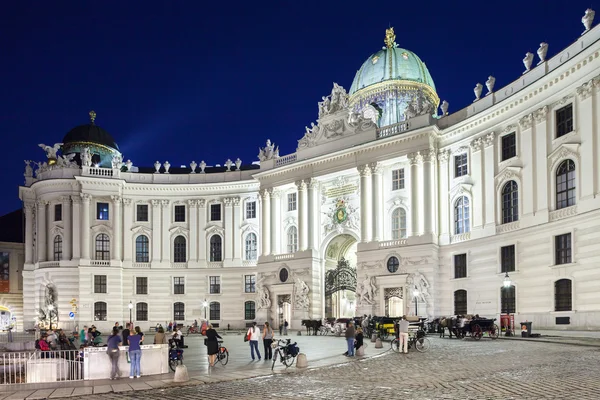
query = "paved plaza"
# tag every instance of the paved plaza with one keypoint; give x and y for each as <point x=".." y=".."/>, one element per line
<point x="452" y="369"/>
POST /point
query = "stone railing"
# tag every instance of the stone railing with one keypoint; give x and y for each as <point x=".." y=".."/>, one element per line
<point x="101" y="172"/>
<point x="249" y="263"/>
<point x="392" y="130"/>
<point x="280" y="257"/>
<point x="100" y="263"/>
<point x="49" y="264"/>
<point x="215" y="264"/>
<point x="141" y="265"/>
<point x="287" y="159"/>
<point x="460" y="238"/>
<point x="392" y="243"/>
<point x="507" y="227"/>
<point x="179" y="265"/>
<point x="563" y="213"/>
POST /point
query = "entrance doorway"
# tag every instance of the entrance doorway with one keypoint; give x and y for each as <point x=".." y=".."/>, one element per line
<point x="5" y="318"/>
<point x="340" y="277"/>
<point x="394" y="302"/>
<point x="284" y="310"/>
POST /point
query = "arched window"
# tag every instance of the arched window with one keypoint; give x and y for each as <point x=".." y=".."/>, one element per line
<point x="179" y="249"/>
<point x="250" y="246"/>
<point x="508" y="300"/>
<point x="179" y="311"/>
<point x="215" y="311"/>
<point x="563" y="295"/>
<point x="460" y="302"/>
<point x="142" y="249"/>
<point x="100" y="311"/>
<point x="510" y="202"/>
<point x="249" y="310"/>
<point x="57" y="247"/>
<point x="399" y="224"/>
<point x="461" y="216"/>
<point x="215" y="248"/>
<point x="141" y="312"/>
<point x="292" y="239"/>
<point x="102" y="247"/>
<point x="565" y="184"/>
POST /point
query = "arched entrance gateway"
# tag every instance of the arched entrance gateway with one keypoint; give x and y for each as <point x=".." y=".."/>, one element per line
<point x="340" y="277"/>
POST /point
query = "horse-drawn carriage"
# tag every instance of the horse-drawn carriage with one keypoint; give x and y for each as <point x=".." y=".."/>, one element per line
<point x="382" y="326"/>
<point x="472" y="326"/>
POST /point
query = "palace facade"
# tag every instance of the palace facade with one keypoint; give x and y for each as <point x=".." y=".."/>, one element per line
<point x="387" y="207"/>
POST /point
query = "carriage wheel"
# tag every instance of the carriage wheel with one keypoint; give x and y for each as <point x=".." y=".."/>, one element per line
<point x="395" y="345"/>
<point x="422" y="344"/>
<point x="494" y="332"/>
<point x="476" y="332"/>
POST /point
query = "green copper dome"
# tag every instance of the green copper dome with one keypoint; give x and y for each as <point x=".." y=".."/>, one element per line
<point x="391" y="64"/>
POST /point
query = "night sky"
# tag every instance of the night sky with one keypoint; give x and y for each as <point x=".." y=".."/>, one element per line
<point x="212" y="80"/>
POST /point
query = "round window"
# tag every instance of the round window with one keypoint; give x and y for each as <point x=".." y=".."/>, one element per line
<point x="393" y="264"/>
<point x="283" y="275"/>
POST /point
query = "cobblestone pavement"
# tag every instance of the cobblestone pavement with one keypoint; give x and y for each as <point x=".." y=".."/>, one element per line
<point x="452" y="369"/>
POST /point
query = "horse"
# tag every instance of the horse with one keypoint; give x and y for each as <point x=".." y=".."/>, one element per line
<point x="450" y="324"/>
<point x="312" y="324"/>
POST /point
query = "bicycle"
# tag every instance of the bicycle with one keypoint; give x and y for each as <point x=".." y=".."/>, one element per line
<point x="286" y="350"/>
<point x="223" y="354"/>
<point x="175" y="357"/>
<point x="419" y="341"/>
<point x="192" y="329"/>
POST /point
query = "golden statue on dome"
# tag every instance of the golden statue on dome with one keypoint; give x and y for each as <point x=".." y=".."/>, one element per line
<point x="390" y="38"/>
<point x="92" y="115"/>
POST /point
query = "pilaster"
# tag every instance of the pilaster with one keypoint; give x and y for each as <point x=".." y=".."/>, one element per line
<point x="127" y="225"/>
<point x="415" y="159"/>
<point x="429" y="210"/>
<point x="202" y="215"/>
<point x="377" y="185"/>
<point x="228" y="225"/>
<point x="489" y="195"/>
<point x="164" y="230"/>
<point x="585" y="126"/>
<point x="313" y="214"/>
<point x="237" y="233"/>
<point x="302" y="215"/>
<point x="266" y="221"/>
<point x="193" y="217"/>
<point x="68" y="232"/>
<point x="366" y="210"/>
<point x="28" y="206"/>
<point x="477" y="167"/>
<point x="76" y="227"/>
<point x="444" y="174"/>
<point x="117" y="230"/>
<point x="527" y="156"/>
<point x="541" y="162"/>
<point x="156" y="234"/>
<point x="85" y="225"/>
<point x="275" y="221"/>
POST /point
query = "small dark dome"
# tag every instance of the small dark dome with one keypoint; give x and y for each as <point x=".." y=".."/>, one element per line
<point x="92" y="134"/>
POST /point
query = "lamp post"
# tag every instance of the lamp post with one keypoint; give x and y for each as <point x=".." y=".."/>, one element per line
<point x="416" y="295"/>
<point x="205" y="306"/>
<point x="130" y="312"/>
<point x="507" y="281"/>
<point x="50" y="309"/>
<point x="507" y="284"/>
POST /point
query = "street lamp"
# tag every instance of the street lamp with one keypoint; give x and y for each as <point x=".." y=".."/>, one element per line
<point x="416" y="295"/>
<point x="507" y="281"/>
<point x="50" y="309"/>
<point x="507" y="284"/>
<point x="205" y="305"/>
<point x="130" y="311"/>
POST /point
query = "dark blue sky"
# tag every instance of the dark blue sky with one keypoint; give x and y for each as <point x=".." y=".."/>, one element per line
<point x="183" y="80"/>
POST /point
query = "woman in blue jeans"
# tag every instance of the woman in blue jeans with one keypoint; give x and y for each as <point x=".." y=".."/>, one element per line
<point x="254" y="334"/>
<point x="135" y="352"/>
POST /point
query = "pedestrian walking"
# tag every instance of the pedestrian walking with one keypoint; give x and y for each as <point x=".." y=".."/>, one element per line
<point x="212" y="344"/>
<point x="403" y="330"/>
<point x="160" y="337"/>
<point x="285" y="326"/>
<point x="359" y="339"/>
<point x="135" y="353"/>
<point x="254" y="334"/>
<point x="267" y="341"/>
<point x="280" y="329"/>
<point x="112" y="348"/>
<point x="350" y="333"/>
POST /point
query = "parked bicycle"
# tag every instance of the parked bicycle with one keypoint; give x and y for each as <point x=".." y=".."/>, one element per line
<point x="286" y="351"/>
<point x="223" y="354"/>
<point x="175" y="356"/>
<point x="418" y="340"/>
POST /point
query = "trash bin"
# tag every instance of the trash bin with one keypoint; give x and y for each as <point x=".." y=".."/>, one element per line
<point x="526" y="329"/>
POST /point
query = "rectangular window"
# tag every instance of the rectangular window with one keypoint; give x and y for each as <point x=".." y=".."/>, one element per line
<point x="141" y="312"/>
<point x="564" y="120"/>
<point x="179" y="213"/>
<point x="250" y="284"/>
<point x="215" y="212"/>
<point x="398" y="179"/>
<point x="141" y="285"/>
<point x="142" y="212"/>
<point x="58" y="212"/>
<point x="249" y="310"/>
<point x="460" y="266"/>
<point x="250" y="209"/>
<point x="507" y="258"/>
<point x="215" y="284"/>
<point x="102" y="211"/>
<point x="291" y="201"/>
<point x="460" y="165"/>
<point x="509" y="146"/>
<point x="99" y="283"/>
<point x="563" y="249"/>
<point x="179" y="285"/>
<point x="5" y="272"/>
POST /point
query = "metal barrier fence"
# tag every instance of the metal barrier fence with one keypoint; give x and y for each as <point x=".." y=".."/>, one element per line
<point x="41" y="367"/>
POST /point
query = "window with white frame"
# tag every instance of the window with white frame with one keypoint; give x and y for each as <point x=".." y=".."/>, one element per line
<point x="215" y="284"/>
<point x="179" y="249"/>
<point x="102" y="211"/>
<point x="461" y="216"/>
<point x="398" y="179"/>
<point x="565" y="184"/>
<point x="215" y="212"/>
<point x="460" y="266"/>
<point x="399" y="224"/>
<point x="215" y="311"/>
<point x="179" y="311"/>
<point x="460" y="165"/>
<point x="507" y="258"/>
<point x="141" y="285"/>
<point x="142" y="249"/>
<point x="291" y="200"/>
<point x="563" y="252"/>
<point x="58" y="212"/>
<point x="141" y="311"/>
<point x="215" y="248"/>
<point x="292" y="239"/>
<point x="251" y="247"/>
<point x="58" y="245"/>
<point x="102" y="247"/>
<point x="249" y="310"/>
<point x="510" y="202"/>
<point x="100" y="313"/>
<point x="180" y="213"/>
<point x="563" y="295"/>
<point x="249" y="283"/>
<point x="141" y="212"/>
<point x="250" y="209"/>
<point x="564" y="120"/>
<point x="179" y="285"/>
<point x="509" y="146"/>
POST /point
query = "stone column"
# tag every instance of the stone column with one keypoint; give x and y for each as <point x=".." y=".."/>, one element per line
<point x="366" y="213"/>
<point x="302" y="217"/>
<point x="429" y="198"/>
<point x="67" y="231"/>
<point x="85" y="226"/>
<point x="117" y="236"/>
<point x="156" y="237"/>
<point x="415" y="159"/>
<point x="527" y="155"/>
<point x="164" y="231"/>
<point x="377" y="184"/>
<point x="127" y="235"/>
<point x="76" y="226"/>
<point x="266" y="221"/>
<point x="201" y="231"/>
<point x="275" y="220"/>
<point x="28" y="232"/>
<point x="193" y="216"/>
<point x="489" y="197"/>
<point x="477" y="174"/>
<point x="313" y="214"/>
<point x="237" y="232"/>
<point x="541" y="159"/>
<point x="585" y="119"/>
<point x="444" y="180"/>
<point x="228" y="225"/>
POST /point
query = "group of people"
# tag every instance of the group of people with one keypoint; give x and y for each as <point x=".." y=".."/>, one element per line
<point x="354" y="339"/>
<point x="125" y="337"/>
<point x="54" y="340"/>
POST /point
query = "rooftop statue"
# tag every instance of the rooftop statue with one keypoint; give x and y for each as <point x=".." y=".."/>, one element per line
<point x="588" y="19"/>
<point x="66" y="161"/>
<point x="336" y="101"/>
<point x="51" y="151"/>
<point x="86" y="157"/>
<point x="268" y="152"/>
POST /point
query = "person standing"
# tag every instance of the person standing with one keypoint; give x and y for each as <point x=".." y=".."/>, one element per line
<point x="83" y="335"/>
<point x="267" y="341"/>
<point x="350" y="333"/>
<point x="212" y="344"/>
<point x="160" y="337"/>
<point x="403" y="329"/>
<point x="112" y="348"/>
<point x="254" y="334"/>
<point x="285" y="326"/>
<point x="359" y="340"/>
<point x="280" y="329"/>
<point x="126" y="332"/>
<point x="135" y="353"/>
